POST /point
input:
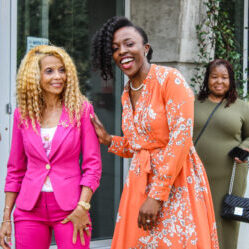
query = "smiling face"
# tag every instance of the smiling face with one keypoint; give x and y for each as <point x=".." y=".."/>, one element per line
<point x="129" y="51"/>
<point x="53" y="75"/>
<point x="218" y="82"/>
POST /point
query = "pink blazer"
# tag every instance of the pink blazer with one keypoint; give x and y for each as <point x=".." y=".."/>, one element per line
<point x="28" y="164"/>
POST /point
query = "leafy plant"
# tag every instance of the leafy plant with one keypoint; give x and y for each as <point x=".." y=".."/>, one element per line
<point x="216" y="39"/>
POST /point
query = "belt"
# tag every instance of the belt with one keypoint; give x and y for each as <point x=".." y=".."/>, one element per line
<point x="144" y="159"/>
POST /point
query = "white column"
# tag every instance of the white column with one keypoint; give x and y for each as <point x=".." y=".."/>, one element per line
<point x="126" y="161"/>
<point x="45" y="19"/>
<point x="245" y="48"/>
<point x="128" y="8"/>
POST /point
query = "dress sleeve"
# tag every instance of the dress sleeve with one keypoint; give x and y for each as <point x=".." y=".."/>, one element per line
<point x="179" y="105"/>
<point x="121" y="147"/>
<point x="91" y="161"/>
<point x="245" y="127"/>
<point x="17" y="163"/>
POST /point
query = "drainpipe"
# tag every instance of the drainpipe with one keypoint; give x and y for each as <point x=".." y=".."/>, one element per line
<point x="245" y="49"/>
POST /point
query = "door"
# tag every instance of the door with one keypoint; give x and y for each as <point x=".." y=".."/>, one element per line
<point x="70" y="24"/>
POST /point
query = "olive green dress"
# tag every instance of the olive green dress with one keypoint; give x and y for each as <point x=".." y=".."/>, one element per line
<point x="228" y="127"/>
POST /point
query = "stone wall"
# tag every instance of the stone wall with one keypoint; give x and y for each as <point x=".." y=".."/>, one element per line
<point x="170" y="26"/>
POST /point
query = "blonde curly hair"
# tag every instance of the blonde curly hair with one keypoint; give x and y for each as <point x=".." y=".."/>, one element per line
<point x="29" y="93"/>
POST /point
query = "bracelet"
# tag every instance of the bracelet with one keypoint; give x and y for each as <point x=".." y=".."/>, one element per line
<point x="6" y="221"/>
<point x="85" y="205"/>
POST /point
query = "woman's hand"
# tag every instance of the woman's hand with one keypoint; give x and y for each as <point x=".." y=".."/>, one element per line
<point x="237" y="160"/>
<point x="104" y="137"/>
<point x="148" y="214"/>
<point x="5" y="235"/>
<point x="80" y="219"/>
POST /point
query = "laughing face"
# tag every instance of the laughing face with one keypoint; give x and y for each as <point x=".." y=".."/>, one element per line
<point x="129" y="51"/>
<point x="53" y="75"/>
<point x="218" y="81"/>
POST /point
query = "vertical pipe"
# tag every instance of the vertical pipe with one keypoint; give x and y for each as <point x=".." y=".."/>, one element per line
<point x="26" y="20"/>
<point x="128" y="8"/>
<point x="118" y="162"/>
<point x="44" y="19"/>
<point x="245" y="49"/>
<point x="13" y="58"/>
<point x="126" y="161"/>
<point x="12" y="71"/>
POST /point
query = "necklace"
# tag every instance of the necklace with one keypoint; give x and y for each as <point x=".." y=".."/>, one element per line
<point x="136" y="89"/>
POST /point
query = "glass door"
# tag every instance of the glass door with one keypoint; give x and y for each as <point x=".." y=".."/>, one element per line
<point x="71" y="24"/>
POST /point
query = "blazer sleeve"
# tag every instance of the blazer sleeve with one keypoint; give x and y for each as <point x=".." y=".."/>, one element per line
<point x="17" y="163"/>
<point x="179" y="105"/>
<point x="91" y="161"/>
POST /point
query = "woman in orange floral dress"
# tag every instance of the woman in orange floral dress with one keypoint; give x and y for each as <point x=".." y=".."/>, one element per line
<point x="166" y="200"/>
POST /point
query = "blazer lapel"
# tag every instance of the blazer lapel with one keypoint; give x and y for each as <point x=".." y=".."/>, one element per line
<point x="36" y="141"/>
<point x="63" y="128"/>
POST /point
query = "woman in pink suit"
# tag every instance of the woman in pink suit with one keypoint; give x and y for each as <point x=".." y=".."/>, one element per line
<point x="51" y="129"/>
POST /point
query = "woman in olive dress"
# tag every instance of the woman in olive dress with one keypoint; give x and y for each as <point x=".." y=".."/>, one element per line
<point x="228" y="128"/>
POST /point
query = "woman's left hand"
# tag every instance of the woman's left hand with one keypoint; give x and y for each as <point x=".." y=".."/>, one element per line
<point x="148" y="213"/>
<point x="80" y="219"/>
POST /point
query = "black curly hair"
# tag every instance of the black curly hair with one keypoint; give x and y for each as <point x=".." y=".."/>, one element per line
<point x="102" y="44"/>
<point x="232" y="94"/>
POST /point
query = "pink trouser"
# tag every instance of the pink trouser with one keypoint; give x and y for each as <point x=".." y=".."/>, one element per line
<point x="33" y="229"/>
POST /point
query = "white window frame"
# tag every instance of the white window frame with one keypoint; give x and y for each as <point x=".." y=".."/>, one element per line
<point x="8" y="36"/>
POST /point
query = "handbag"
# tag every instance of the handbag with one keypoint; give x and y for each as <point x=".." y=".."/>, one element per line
<point x="235" y="207"/>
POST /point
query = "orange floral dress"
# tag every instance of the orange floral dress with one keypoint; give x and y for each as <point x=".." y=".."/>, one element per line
<point x="164" y="166"/>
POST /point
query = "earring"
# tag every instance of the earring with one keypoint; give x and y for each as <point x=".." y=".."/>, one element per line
<point x="145" y="54"/>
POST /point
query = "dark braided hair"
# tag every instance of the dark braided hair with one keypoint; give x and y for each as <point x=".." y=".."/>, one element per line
<point x="232" y="94"/>
<point x="102" y="44"/>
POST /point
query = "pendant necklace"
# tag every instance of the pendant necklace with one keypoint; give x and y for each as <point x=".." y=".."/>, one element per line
<point x="136" y="89"/>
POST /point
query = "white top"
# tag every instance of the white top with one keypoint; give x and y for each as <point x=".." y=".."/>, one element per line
<point x="47" y="135"/>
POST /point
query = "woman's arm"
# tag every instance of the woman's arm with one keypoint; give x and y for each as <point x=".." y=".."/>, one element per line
<point x="91" y="156"/>
<point x="10" y="198"/>
<point x="116" y="144"/>
<point x="121" y="147"/>
<point x="179" y="105"/>
<point x="80" y="217"/>
<point x="5" y="230"/>
<point x="244" y="130"/>
<point x="91" y="167"/>
<point x="17" y="165"/>
<point x="245" y="127"/>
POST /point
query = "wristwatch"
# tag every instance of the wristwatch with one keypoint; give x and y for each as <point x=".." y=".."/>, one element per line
<point x="85" y="205"/>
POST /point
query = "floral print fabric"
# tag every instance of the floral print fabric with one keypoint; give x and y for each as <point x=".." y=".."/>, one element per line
<point x="164" y="166"/>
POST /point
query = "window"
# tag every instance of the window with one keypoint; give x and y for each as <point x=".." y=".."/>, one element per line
<point x="71" y="24"/>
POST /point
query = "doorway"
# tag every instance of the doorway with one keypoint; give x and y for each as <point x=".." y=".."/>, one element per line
<point x="69" y="24"/>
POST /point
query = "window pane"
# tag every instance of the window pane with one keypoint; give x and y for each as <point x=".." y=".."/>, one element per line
<point x="71" y="24"/>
